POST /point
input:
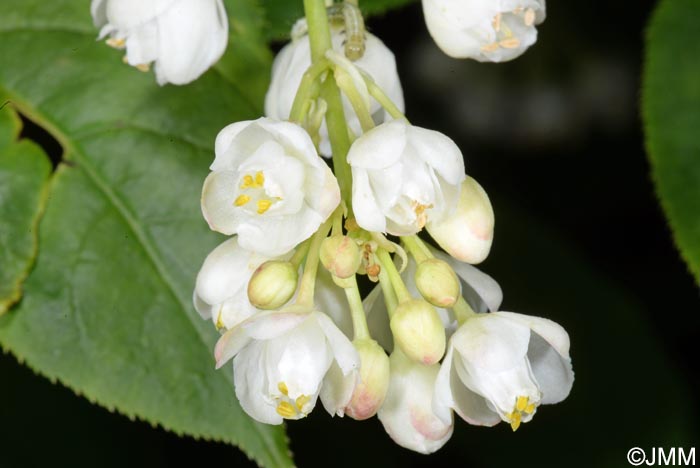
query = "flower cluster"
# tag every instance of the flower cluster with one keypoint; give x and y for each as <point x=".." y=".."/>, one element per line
<point x="429" y="340"/>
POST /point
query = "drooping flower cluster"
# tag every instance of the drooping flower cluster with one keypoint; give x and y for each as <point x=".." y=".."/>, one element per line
<point x="429" y="340"/>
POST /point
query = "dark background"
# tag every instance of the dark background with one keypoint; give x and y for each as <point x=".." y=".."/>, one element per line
<point x="555" y="138"/>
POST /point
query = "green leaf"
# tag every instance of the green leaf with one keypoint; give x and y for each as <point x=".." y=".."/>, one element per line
<point x="107" y="308"/>
<point x="24" y="174"/>
<point x="282" y="14"/>
<point x="671" y="100"/>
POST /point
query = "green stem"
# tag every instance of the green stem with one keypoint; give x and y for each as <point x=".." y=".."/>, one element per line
<point x="357" y="310"/>
<point x="319" y="29"/>
<point x="307" y="89"/>
<point x="416" y="247"/>
<point x="387" y="264"/>
<point x="462" y="310"/>
<point x="388" y="292"/>
<point x="308" y="280"/>
<point x="380" y="96"/>
<point x="300" y="253"/>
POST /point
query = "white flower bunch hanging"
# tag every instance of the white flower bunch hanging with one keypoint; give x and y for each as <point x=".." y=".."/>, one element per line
<point x="283" y="289"/>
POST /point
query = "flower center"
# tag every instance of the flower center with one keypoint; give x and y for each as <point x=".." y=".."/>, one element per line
<point x="288" y="408"/>
<point x="253" y="190"/>
<point x="421" y="215"/>
<point x="523" y="407"/>
<point x="506" y="38"/>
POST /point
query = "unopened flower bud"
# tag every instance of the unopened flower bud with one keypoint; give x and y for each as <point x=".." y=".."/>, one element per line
<point x="340" y="255"/>
<point x="418" y="330"/>
<point x="467" y="234"/>
<point x="437" y="282"/>
<point x="272" y="285"/>
<point x="370" y="392"/>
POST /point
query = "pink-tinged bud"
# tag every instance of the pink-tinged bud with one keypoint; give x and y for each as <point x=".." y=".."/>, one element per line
<point x="370" y="392"/>
<point x="437" y="282"/>
<point x="467" y="234"/>
<point x="272" y="284"/>
<point x="340" y="256"/>
<point x="418" y="331"/>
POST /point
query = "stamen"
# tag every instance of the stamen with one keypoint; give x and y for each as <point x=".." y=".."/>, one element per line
<point x="264" y="205"/>
<point x="529" y="409"/>
<point x="301" y="401"/>
<point x="242" y="200"/>
<point x="515" y="421"/>
<point x="497" y="22"/>
<point x="247" y="181"/>
<point x="521" y="403"/>
<point x="282" y="387"/>
<point x="511" y="43"/>
<point x="286" y="410"/>
<point x="490" y="47"/>
<point x="219" y="322"/>
<point x="143" y="67"/>
<point x="259" y="179"/>
<point x="116" y="43"/>
<point x="529" y="17"/>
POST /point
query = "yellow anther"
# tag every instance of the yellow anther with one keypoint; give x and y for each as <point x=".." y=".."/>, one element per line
<point x="511" y="43"/>
<point x="143" y="67"/>
<point x="247" y="181"/>
<point x="241" y="200"/>
<point x="529" y="408"/>
<point x="490" y="47"/>
<point x="116" y="43"/>
<point x="219" y="322"/>
<point x="282" y="387"/>
<point x="286" y="410"/>
<point x="515" y="420"/>
<point x="497" y="22"/>
<point x="259" y="179"/>
<point x="301" y="401"/>
<point x="264" y="205"/>
<point x="529" y="17"/>
<point x="521" y="403"/>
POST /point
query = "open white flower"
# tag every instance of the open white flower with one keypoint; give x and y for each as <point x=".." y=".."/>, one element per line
<point x="183" y="37"/>
<point x="293" y="60"/>
<point x="268" y="185"/>
<point x="284" y="360"/>
<point x="502" y="366"/>
<point x="407" y="413"/>
<point x="220" y="293"/>
<point x="484" y="30"/>
<point x="403" y="177"/>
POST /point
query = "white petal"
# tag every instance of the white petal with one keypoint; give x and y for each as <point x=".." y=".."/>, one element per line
<point x="251" y="384"/>
<point x="470" y="406"/>
<point x="553" y="371"/>
<point x="491" y="342"/>
<point x="203" y="309"/>
<point x="344" y="352"/>
<point x="439" y="152"/>
<point x="378" y="318"/>
<point x="98" y="10"/>
<point x="337" y="389"/>
<point x="367" y="212"/>
<point x="551" y="331"/>
<point x="224" y="158"/>
<point x="142" y="44"/>
<point x="331" y="299"/>
<point x="218" y="199"/>
<point x="380" y="147"/>
<point x="193" y="35"/>
<point x="407" y="414"/>
<point x="226" y="271"/>
<point x="127" y="14"/>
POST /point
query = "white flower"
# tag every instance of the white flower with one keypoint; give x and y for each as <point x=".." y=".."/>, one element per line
<point x="268" y="185"/>
<point x="467" y="234"/>
<point x="502" y="366"/>
<point x="293" y="60"/>
<point x="183" y="37"/>
<point x="220" y="293"/>
<point x="284" y="359"/>
<point x="407" y="413"/>
<point x="404" y="176"/>
<point x="484" y="30"/>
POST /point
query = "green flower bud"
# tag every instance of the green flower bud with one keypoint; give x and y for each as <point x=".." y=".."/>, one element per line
<point x="437" y="282"/>
<point x="340" y="255"/>
<point x="370" y="392"/>
<point x="272" y="284"/>
<point x="418" y="331"/>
